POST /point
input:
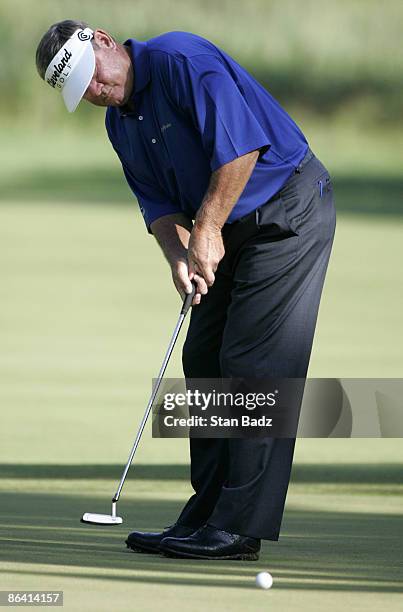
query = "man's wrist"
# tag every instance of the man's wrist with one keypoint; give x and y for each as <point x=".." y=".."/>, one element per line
<point x="207" y="225"/>
<point x="206" y="219"/>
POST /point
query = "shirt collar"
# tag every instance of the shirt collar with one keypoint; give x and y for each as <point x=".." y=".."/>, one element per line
<point x="141" y="63"/>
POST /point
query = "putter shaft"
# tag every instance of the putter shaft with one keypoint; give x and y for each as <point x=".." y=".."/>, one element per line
<point x="186" y="305"/>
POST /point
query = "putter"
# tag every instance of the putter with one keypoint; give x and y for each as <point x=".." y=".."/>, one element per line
<point x="113" y="519"/>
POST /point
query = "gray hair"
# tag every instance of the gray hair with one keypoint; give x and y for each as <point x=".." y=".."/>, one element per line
<point x="53" y="40"/>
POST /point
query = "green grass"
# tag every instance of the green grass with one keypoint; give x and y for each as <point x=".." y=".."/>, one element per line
<point x="87" y="309"/>
<point x="323" y="58"/>
<point x="340" y="547"/>
<point x="71" y="164"/>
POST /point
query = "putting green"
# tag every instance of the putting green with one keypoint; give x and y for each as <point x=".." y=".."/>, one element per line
<point x="87" y="309"/>
<point x="341" y="545"/>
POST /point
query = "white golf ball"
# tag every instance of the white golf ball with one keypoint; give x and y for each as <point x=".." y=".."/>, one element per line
<point x="264" y="580"/>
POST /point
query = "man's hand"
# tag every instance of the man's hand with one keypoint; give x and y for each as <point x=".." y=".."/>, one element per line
<point x="194" y="251"/>
<point x="173" y="234"/>
<point x="205" y="251"/>
<point x="182" y="281"/>
<point x="206" y="248"/>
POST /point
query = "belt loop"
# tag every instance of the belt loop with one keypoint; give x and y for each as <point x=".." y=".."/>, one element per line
<point x="307" y="157"/>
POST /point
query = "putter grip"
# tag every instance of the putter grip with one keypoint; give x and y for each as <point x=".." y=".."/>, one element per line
<point x="187" y="302"/>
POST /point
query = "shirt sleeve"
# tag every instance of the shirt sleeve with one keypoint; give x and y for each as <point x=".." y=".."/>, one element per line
<point x="152" y="202"/>
<point x="219" y="110"/>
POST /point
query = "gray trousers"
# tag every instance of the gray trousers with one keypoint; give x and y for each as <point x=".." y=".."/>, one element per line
<point x="258" y="320"/>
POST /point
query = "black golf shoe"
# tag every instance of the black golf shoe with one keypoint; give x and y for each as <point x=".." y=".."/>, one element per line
<point x="211" y="543"/>
<point x="149" y="542"/>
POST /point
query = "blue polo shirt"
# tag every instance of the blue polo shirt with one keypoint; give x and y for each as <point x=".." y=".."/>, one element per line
<point x="196" y="109"/>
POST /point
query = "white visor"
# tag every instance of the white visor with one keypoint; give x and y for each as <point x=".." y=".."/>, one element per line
<point x="72" y="68"/>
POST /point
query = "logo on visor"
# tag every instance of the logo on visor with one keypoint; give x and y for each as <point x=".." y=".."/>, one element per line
<point x="58" y="68"/>
<point x="82" y="35"/>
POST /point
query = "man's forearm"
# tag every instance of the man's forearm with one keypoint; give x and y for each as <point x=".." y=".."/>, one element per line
<point x="194" y="251"/>
<point x="225" y="187"/>
<point x="172" y="233"/>
<point x="206" y="247"/>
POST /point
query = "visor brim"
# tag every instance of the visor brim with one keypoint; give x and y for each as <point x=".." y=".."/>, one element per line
<point x="79" y="79"/>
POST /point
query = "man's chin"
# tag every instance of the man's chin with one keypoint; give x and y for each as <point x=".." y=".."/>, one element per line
<point x="113" y="101"/>
<point x="117" y="101"/>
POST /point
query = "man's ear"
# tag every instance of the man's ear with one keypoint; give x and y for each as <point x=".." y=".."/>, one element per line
<point x="103" y="39"/>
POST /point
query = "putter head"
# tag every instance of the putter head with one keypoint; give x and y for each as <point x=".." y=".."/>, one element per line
<point x="101" y="519"/>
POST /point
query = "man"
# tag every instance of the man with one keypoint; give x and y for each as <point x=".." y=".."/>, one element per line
<point x="239" y="205"/>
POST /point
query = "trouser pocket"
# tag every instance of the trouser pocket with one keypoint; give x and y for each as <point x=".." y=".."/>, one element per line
<point x="273" y="220"/>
